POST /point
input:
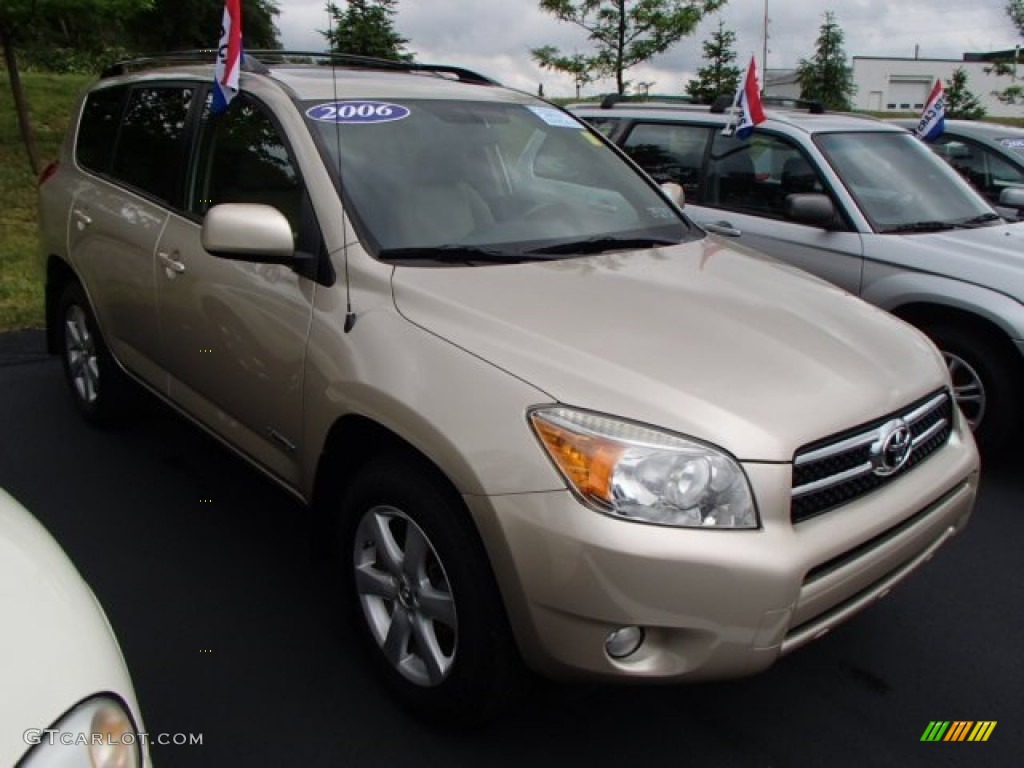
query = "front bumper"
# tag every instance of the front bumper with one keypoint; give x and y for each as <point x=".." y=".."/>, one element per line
<point x="712" y="603"/>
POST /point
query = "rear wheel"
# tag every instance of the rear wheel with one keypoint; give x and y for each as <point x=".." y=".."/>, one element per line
<point x="986" y="382"/>
<point x="422" y="595"/>
<point x="97" y="384"/>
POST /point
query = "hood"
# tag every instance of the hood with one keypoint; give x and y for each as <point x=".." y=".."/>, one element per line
<point x="700" y="338"/>
<point x="57" y="647"/>
<point x="992" y="257"/>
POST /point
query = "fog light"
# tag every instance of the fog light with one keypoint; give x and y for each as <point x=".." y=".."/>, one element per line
<point x="623" y="641"/>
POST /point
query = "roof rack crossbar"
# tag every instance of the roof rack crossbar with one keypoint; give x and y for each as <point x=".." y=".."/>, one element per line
<point x="257" y="60"/>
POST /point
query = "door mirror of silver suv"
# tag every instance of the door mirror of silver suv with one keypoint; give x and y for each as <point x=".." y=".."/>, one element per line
<point x="811" y="208"/>
<point x="1013" y="197"/>
<point x="675" y="193"/>
<point x="248" y="232"/>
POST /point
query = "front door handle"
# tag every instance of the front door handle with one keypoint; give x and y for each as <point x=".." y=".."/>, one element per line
<point x="81" y="218"/>
<point x="171" y="263"/>
<point x="723" y="228"/>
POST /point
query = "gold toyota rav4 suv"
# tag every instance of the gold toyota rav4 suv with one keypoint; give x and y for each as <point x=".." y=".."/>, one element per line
<point x="550" y="419"/>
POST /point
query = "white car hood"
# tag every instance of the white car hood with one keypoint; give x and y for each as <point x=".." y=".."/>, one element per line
<point x="988" y="256"/>
<point x="56" y="647"/>
<point x="754" y="356"/>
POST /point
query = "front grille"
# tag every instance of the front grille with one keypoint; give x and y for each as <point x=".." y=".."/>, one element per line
<point x="841" y="468"/>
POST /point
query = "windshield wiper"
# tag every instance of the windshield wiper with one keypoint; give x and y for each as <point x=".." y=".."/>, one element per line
<point x="978" y="221"/>
<point x="922" y="226"/>
<point x="602" y="244"/>
<point x="456" y="254"/>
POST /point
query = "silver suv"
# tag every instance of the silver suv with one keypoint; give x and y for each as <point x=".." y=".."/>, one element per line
<point x="866" y="206"/>
<point x="544" y="416"/>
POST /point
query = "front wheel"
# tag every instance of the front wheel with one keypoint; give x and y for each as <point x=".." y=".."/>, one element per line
<point x="986" y="383"/>
<point x="422" y="595"/>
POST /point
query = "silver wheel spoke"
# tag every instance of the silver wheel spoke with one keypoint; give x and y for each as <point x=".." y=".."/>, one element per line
<point x="385" y="544"/>
<point x="370" y="581"/>
<point x="437" y="605"/>
<point x="397" y="641"/>
<point x="415" y="558"/>
<point x="433" y="659"/>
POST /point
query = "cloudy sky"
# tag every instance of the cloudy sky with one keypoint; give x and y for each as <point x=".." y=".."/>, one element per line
<point x="495" y="36"/>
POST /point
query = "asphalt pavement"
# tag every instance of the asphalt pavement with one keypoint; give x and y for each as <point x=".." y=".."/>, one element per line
<point x="231" y="630"/>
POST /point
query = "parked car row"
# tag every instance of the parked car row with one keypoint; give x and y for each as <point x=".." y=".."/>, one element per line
<point x="545" y="419"/>
<point x="868" y="207"/>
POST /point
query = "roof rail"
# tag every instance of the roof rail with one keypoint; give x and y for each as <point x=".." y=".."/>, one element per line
<point x="257" y="61"/>
<point x="354" y="60"/>
<point x="814" y="107"/>
<point x="609" y="101"/>
<point x="178" y="58"/>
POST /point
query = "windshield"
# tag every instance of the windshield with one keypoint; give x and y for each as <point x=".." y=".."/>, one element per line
<point x="902" y="186"/>
<point x="486" y="182"/>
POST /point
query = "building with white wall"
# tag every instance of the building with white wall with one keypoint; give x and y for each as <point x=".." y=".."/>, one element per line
<point x="902" y="85"/>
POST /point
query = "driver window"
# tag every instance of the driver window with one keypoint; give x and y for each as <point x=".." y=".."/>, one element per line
<point x="757" y="175"/>
<point x="243" y="159"/>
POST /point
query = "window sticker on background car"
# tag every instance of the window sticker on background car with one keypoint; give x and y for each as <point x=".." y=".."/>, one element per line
<point x="1012" y="143"/>
<point x="357" y="112"/>
<point x="552" y="116"/>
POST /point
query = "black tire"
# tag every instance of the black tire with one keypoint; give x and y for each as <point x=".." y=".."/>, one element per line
<point x="98" y="386"/>
<point x="986" y="381"/>
<point x="454" y="662"/>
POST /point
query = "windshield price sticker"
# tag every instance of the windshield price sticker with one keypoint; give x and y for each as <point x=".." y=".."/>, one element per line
<point x="1012" y="143"/>
<point x="357" y="112"/>
<point x="554" y="117"/>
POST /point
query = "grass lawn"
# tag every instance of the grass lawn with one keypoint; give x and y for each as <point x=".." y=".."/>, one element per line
<point x="50" y="99"/>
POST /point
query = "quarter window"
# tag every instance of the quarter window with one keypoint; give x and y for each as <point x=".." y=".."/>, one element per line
<point x="149" y="147"/>
<point x="98" y="129"/>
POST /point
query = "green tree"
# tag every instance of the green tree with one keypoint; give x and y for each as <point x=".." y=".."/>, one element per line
<point x="826" y="77"/>
<point x="23" y="21"/>
<point x="624" y="33"/>
<point x="719" y="75"/>
<point x="366" y="28"/>
<point x="961" y="104"/>
<point x="1012" y="94"/>
<point x="172" y="25"/>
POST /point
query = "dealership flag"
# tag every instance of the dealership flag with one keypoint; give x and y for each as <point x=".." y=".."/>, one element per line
<point x="746" y="107"/>
<point x="229" y="56"/>
<point x="933" y="119"/>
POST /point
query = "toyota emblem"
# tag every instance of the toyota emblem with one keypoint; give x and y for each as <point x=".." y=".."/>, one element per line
<point x="892" y="448"/>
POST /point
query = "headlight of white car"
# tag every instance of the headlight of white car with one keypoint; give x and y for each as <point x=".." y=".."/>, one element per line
<point x="639" y="473"/>
<point x="97" y="733"/>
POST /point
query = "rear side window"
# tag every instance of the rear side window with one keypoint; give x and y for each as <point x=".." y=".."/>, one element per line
<point x="98" y="129"/>
<point x="149" y="154"/>
<point x="670" y="152"/>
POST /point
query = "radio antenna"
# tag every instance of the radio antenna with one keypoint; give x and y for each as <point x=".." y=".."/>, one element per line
<point x="350" y="316"/>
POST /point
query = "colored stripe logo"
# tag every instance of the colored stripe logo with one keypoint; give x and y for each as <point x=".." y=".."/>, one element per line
<point x="958" y="730"/>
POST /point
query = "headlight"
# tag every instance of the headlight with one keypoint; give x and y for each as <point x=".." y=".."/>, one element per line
<point x="639" y="473"/>
<point x="97" y="733"/>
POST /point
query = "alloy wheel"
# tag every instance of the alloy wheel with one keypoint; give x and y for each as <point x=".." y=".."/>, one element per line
<point x="405" y="596"/>
<point x="968" y="388"/>
<point x="80" y="350"/>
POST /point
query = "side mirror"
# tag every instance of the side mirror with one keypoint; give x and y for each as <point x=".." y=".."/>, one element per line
<point x="813" y="209"/>
<point x="1012" y="197"/>
<point x="675" y="193"/>
<point x="248" y="232"/>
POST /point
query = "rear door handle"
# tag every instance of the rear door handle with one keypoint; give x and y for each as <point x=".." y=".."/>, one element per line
<point x="723" y="228"/>
<point x="171" y="263"/>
